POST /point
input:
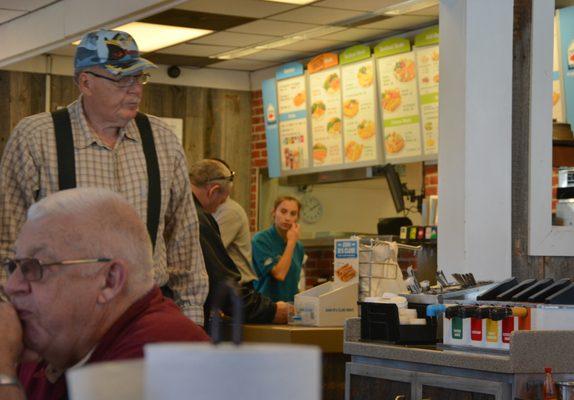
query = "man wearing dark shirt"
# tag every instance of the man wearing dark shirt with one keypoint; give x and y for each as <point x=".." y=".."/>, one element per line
<point x="211" y="182"/>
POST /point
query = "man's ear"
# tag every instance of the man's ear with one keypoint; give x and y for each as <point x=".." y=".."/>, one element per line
<point x="114" y="282"/>
<point x="84" y="84"/>
<point x="213" y="191"/>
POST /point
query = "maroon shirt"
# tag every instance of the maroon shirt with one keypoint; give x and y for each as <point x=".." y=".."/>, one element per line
<point x="151" y="319"/>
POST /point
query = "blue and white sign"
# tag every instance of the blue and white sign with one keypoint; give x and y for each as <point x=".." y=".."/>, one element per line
<point x="289" y="70"/>
<point x="346" y="262"/>
<point x="270" y="107"/>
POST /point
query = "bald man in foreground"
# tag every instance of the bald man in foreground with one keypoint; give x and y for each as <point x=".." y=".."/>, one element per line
<point x="80" y="291"/>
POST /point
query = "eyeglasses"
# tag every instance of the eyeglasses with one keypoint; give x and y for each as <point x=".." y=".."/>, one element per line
<point x="33" y="270"/>
<point x="223" y="178"/>
<point x="124" y="82"/>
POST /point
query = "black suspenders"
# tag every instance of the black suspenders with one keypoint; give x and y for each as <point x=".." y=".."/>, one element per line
<point x="65" y="147"/>
<point x="67" y="165"/>
<point x="153" y="179"/>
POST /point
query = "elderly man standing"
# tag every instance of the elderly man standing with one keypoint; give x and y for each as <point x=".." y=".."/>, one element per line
<point x="101" y="140"/>
<point x="211" y="182"/>
<point x="81" y="291"/>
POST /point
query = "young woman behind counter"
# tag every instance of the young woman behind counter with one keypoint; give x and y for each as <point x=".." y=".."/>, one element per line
<point x="278" y="253"/>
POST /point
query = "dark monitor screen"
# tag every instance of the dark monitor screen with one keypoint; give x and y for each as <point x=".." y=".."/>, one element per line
<point x="395" y="187"/>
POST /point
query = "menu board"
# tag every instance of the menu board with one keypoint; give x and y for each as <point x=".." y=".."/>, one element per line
<point x="359" y="114"/>
<point x="291" y="100"/>
<point x="428" y="78"/>
<point x="325" y="112"/>
<point x="399" y="106"/>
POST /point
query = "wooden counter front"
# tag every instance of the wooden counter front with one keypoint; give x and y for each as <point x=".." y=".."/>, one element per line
<point x="329" y="339"/>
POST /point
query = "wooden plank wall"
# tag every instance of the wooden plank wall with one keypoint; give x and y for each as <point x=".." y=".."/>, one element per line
<point x="523" y="265"/>
<point x="21" y="94"/>
<point x="217" y="123"/>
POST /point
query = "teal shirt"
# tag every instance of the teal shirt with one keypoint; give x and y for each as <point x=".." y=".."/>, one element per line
<point x="268" y="247"/>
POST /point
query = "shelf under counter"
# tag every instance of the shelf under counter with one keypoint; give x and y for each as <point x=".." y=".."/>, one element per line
<point x="329" y="339"/>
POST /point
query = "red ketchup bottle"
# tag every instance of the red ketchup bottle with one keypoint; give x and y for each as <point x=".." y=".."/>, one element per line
<point x="549" y="388"/>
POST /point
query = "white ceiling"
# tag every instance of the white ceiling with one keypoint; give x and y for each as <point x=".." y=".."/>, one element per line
<point x="272" y="21"/>
<point x="10" y="9"/>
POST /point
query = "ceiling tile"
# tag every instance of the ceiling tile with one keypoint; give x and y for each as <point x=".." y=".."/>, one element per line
<point x="357" y="35"/>
<point x="430" y="11"/>
<point x="244" y="8"/>
<point x="196" y="19"/>
<point x="232" y="39"/>
<point x="198" y="50"/>
<point x="269" y="27"/>
<point x="357" y="5"/>
<point x="187" y="61"/>
<point x="316" y="45"/>
<point x="316" y="15"/>
<point x="7" y="15"/>
<point x="277" y="55"/>
<point x="24" y="5"/>
<point x="241" y="64"/>
<point x="403" y="22"/>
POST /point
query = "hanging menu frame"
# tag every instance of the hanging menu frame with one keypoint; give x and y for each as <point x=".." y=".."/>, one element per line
<point x="310" y="139"/>
<point x="291" y="89"/>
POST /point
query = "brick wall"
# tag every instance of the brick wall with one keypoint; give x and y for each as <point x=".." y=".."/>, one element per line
<point x="258" y="154"/>
<point x="319" y="266"/>
<point x="554" y="188"/>
<point x="431" y="179"/>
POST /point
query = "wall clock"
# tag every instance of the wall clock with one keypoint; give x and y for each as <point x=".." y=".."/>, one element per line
<point x="311" y="209"/>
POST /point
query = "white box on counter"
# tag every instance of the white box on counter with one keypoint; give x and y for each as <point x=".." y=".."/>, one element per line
<point x="327" y="304"/>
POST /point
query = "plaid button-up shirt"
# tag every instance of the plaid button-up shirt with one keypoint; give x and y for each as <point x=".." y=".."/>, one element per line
<point x="29" y="172"/>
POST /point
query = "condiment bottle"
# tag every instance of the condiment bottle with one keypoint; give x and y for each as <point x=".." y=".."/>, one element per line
<point x="549" y="389"/>
<point x="457" y="324"/>
<point x="477" y="326"/>
<point x="494" y="332"/>
<point x="452" y="325"/>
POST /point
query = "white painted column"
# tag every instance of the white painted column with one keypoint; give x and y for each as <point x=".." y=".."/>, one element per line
<point x="475" y="137"/>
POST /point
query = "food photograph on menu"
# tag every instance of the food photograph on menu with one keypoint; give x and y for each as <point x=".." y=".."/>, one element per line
<point x="293" y="141"/>
<point x="325" y="111"/>
<point x="399" y="106"/>
<point x="359" y="113"/>
<point x="428" y="79"/>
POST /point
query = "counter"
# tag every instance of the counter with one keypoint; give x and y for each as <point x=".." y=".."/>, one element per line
<point x="432" y="372"/>
<point x="329" y="339"/>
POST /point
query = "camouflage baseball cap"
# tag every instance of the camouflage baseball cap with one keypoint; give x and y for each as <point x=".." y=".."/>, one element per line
<point x="116" y="51"/>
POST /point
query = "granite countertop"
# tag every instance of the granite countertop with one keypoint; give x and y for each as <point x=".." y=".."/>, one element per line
<point x="530" y="352"/>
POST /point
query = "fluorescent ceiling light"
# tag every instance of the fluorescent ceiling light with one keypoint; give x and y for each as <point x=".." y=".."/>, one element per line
<point x="236" y="53"/>
<point x="293" y="1"/>
<point x="279" y="43"/>
<point x="319" y="31"/>
<point x="285" y="41"/>
<point x="151" y="37"/>
<point x="297" y="37"/>
<point x="405" y="7"/>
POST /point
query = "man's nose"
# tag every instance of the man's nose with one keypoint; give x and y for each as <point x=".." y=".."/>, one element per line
<point x="16" y="283"/>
